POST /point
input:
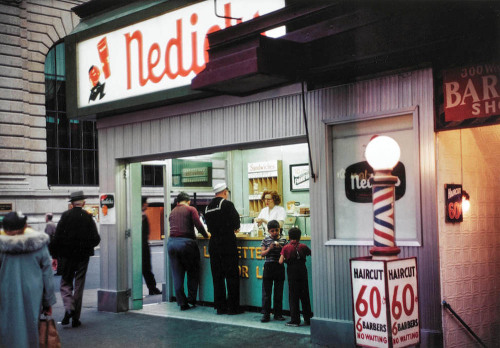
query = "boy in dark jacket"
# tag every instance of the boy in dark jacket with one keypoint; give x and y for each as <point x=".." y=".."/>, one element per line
<point x="294" y="254"/>
<point x="274" y="272"/>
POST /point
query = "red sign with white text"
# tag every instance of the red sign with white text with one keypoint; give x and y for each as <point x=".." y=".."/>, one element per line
<point x="157" y="54"/>
<point x="471" y="92"/>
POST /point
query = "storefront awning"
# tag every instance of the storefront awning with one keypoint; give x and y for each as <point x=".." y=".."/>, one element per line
<point x="258" y="63"/>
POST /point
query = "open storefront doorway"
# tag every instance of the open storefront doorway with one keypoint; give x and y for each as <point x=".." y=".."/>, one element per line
<point x="248" y="173"/>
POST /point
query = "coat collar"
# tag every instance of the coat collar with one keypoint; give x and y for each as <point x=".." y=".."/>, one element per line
<point x="28" y="242"/>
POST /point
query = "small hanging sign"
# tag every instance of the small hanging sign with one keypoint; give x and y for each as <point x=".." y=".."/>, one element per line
<point x="453" y="200"/>
<point x="107" y="209"/>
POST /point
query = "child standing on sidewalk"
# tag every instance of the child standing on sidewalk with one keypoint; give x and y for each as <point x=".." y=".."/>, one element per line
<point x="274" y="272"/>
<point x="294" y="254"/>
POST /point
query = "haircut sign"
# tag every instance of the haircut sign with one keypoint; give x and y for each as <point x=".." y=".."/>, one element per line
<point x="385" y="301"/>
<point x="453" y="200"/>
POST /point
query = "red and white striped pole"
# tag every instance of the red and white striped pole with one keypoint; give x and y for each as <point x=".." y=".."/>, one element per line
<point x="382" y="153"/>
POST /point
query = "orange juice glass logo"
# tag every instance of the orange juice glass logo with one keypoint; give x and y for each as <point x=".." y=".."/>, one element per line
<point x="105" y="210"/>
<point x="102" y="47"/>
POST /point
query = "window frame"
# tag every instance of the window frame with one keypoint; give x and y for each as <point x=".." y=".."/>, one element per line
<point x="56" y="118"/>
<point x="330" y="123"/>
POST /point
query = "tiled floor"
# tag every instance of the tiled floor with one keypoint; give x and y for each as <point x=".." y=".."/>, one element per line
<point x="207" y="314"/>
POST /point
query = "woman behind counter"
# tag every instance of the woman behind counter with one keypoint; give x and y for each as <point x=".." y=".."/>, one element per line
<point x="183" y="249"/>
<point x="272" y="211"/>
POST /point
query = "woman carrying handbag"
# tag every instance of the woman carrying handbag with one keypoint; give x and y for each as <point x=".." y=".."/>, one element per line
<point x="26" y="282"/>
<point x="49" y="338"/>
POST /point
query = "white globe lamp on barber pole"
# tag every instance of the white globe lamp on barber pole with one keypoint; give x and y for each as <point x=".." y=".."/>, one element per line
<point x="382" y="154"/>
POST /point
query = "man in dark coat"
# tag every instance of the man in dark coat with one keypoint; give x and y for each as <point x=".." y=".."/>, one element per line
<point x="223" y="221"/>
<point x="74" y="241"/>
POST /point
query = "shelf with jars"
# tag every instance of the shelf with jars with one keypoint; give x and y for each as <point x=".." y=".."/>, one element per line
<point x="263" y="176"/>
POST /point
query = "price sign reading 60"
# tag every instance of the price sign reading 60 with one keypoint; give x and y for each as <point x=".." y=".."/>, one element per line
<point x="369" y="303"/>
<point x="407" y="302"/>
<point x="373" y="303"/>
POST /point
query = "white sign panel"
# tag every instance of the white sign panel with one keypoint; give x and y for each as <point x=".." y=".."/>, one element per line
<point x="403" y="302"/>
<point x="157" y="54"/>
<point x="355" y="220"/>
<point x="107" y="209"/>
<point x="370" y="308"/>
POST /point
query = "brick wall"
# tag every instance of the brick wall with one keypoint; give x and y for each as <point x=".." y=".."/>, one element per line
<point x="469" y="251"/>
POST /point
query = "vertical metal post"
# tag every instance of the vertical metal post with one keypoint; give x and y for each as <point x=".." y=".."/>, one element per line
<point x="168" y="291"/>
<point x="135" y="220"/>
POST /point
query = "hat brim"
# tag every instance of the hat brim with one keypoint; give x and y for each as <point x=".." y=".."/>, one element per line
<point x="219" y="191"/>
<point x="78" y="198"/>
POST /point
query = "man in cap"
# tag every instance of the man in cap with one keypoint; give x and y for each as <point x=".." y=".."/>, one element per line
<point x="74" y="241"/>
<point x="223" y="221"/>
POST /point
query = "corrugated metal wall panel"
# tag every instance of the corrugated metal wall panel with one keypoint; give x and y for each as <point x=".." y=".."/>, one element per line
<point x="247" y="123"/>
<point x="357" y="101"/>
<point x="281" y="118"/>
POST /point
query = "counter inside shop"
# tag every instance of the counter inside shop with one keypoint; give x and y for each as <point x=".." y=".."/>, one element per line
<point x="251" y="267"/>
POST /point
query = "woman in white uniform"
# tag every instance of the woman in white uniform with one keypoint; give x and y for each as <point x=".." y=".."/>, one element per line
<point x="272" y="211"/>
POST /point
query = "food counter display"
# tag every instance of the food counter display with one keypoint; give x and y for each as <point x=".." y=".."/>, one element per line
<point x="251" y="269"/>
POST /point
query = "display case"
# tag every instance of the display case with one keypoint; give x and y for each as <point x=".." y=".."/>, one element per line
<point x="263" y="176"/>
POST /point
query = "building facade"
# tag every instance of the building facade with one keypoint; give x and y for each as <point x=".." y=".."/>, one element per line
<point x="30" y="29"/>
<point x="352" y="70"/>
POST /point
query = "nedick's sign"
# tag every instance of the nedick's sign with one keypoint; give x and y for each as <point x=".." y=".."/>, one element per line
<point x="471" y="92"/>
<point x="157" y="54"/>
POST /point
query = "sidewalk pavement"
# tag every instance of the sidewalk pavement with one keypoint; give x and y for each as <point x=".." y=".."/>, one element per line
<point x="162" y="324"/>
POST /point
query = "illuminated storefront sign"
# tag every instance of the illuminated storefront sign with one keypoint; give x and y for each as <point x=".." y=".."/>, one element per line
<point x="157" y="54"/>
<point x="471" y="92"/>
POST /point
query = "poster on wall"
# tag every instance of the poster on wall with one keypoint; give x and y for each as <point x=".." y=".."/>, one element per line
<point x="299" y="177"/>
<point x="353" y="210"/>
<point x="107" y="210"/>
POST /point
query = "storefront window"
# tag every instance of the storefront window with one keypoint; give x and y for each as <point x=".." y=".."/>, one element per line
<point x="352" y="197"/>
<point x="72" y="151"/>
<point x="152" y="176"/>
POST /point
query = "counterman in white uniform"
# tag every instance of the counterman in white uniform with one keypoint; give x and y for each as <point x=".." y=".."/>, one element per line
<point x="272" y="211"/>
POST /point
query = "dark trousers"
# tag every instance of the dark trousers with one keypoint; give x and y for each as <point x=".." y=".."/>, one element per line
<point x="225" y="270"/>
<point x="148" y="275"/>
<point x="184" y="258"/>
<point x="274" y="273"/>
<point x="298" y="291"/>
<point x="73" y="270"/>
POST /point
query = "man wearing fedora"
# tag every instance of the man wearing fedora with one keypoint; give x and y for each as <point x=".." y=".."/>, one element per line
<point x="74" y="241"/>
<point x="223" y="221"/>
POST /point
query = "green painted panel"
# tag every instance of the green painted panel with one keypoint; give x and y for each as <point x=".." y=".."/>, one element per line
<point x="136" y="233"/>
<point x="251" y="269"/>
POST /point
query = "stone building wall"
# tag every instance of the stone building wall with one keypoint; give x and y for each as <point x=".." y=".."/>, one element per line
<point x="28" y="29"/>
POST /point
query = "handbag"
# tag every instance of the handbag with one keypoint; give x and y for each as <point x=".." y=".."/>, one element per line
<point x="48" y="336"/>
